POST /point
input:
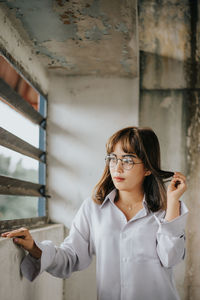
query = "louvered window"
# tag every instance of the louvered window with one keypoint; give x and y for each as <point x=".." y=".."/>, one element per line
<point x="22" y="151"/>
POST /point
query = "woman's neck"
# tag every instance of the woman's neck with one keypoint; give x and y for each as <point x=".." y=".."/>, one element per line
<point x="130" y="197"/>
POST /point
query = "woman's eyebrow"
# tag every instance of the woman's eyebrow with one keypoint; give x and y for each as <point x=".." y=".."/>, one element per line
<point x="129" y="155"/>
<point x="125" y="155"/>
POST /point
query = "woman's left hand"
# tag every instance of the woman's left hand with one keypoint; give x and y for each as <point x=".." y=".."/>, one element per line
<point x="177" y="186"/>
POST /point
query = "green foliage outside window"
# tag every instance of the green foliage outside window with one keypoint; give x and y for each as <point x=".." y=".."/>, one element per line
<point x="15" y="207"/>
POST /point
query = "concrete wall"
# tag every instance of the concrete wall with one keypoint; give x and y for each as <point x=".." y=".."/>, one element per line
<point x="83" y="113"/>
<point x="169" y="102"/>
<point x="13" y="286"/>
<point x="163" y="111"/>
<point x="164" y="50"/>
<point x="193" y="158"/>
<point x="193" y="231"/>
<point x="16" y="45"/>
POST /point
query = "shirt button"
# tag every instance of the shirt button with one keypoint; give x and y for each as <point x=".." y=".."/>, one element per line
<point x="124" y="259"/>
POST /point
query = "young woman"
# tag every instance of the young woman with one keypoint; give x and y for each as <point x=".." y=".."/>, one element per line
<point x="132" y="224"/>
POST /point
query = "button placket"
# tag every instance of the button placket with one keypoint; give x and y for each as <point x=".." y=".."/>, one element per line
<point x="123" y="262"/>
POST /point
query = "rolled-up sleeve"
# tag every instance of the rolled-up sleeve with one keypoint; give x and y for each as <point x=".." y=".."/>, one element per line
<point x="74" y="254"/>
<point x="171" y="239"/>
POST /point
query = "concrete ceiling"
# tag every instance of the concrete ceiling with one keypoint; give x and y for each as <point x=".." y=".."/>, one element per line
<point x="81" y="37"/>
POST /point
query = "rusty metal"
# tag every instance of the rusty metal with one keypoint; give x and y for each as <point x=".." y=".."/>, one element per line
<point x="14" y="99"/>
<point x="12" y="186"/>
<point x="20" y="70"/>
<point x="14" y="143"/>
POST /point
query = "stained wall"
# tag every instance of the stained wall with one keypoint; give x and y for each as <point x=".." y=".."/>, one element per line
<point x="150" y="77"/>
<point x="169" y="102"/>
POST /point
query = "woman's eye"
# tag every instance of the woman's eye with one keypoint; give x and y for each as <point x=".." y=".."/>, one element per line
<point x="112" y="159"/>
<point x="128" y="161"/>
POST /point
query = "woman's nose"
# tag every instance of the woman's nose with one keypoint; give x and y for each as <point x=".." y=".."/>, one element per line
<point x="119" y="165"/>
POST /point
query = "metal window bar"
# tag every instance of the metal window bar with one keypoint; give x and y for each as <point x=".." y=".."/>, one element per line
<point x="13" y="98"/>
<point x="14" y="143"/>
<point x="42" y="167"/>
<point x="11" y="186"/>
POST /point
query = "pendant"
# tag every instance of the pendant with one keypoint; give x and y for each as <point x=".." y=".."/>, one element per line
<point x="130" y="207"/>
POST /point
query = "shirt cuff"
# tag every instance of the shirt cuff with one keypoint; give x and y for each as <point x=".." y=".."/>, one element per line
<point x="32" y="267"/>
<point x="175" y="227"/>
<point x="48" y="254"/>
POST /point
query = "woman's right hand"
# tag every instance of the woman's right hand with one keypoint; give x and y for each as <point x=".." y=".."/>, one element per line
<point x="23" y="238"/>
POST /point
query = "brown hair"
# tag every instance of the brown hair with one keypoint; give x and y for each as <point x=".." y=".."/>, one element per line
<point x="143" y="142"/>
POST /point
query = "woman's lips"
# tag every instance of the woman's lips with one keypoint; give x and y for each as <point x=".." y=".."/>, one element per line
<point x="119" y="179"/>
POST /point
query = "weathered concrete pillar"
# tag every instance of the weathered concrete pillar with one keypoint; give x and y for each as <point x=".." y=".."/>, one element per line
<point x="192" y="279"/>
<point x="170" y="103"/>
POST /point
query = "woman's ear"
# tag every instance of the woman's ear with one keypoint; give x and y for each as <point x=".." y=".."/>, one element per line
<point x="147" y="173"/>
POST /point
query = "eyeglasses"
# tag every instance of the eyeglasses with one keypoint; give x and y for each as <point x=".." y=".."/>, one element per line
<point x="127" y="162"/>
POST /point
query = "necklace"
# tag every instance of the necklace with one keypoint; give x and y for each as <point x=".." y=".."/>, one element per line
<point x="128" y="207"/>
<point x="131" y="206"/>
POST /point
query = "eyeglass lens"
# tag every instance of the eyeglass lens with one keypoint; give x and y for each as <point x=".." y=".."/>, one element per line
<point x="126" y="162"/>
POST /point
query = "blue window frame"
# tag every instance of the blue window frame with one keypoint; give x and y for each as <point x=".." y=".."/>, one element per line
<point x="23" y="197"/>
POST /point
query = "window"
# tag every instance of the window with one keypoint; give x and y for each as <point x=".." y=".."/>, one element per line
<point x="22" y="151"/>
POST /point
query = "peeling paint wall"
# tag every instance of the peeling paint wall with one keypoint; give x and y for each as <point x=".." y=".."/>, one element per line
<point x="164" y="37"/>
<point x="193" y="156"/>
<point x="193" y="232"/>
<point x="96" y="38"/>
<point x="84" y="37"/>
<point x="16" y="46"/>
<point x="169" y="102"/>
<point x="99" y="38"/>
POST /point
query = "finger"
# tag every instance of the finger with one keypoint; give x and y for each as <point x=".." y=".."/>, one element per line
<point x="182" y="180"/>
<point x="4" y="234"/>
<point x="179" y="175"/>
<point x="177" y="181"/>
<point x="22" y="232"/>
<point x="8" y="232"/>
<point x="19" y="241"/>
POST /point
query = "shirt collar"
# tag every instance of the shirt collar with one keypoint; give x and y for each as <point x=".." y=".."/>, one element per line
<point x="111" y="197"/>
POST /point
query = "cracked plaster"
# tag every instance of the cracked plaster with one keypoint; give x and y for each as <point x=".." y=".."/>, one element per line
<point x="81" y="37"/>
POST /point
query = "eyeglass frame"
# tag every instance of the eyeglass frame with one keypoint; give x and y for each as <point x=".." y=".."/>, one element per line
<point x="121" y="159"/>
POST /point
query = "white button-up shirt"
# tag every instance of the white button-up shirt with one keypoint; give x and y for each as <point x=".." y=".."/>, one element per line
<point x="134" y="259"/>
